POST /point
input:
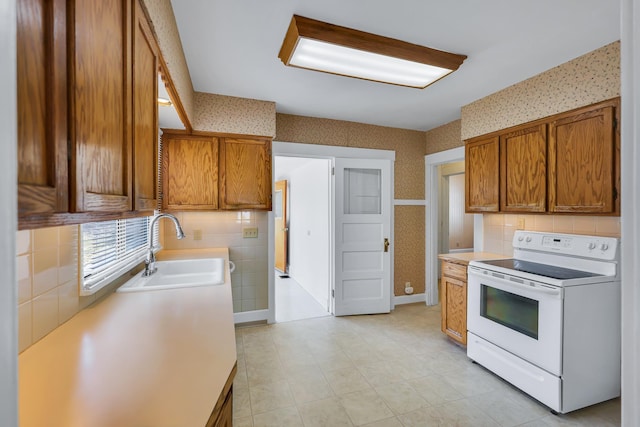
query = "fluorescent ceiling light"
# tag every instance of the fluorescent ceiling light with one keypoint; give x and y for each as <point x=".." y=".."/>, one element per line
<point x="332" y="49"/>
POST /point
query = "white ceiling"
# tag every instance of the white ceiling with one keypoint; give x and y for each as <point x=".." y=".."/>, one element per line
<point x="232" y="49"/>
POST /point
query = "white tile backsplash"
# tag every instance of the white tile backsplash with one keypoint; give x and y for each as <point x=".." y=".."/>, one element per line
<point x="499" y="228"/>
<point x="250" y="255"/>
<point x="47" y="267"/>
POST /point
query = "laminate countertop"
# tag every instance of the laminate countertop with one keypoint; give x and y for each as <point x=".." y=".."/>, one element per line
<point x="155" y="358"/>
<point x="464" y="258"/>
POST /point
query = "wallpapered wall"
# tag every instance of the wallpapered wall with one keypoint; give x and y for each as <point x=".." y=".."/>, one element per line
<point x="588" y="79"/>
<point x="409" y="146"/>
<point x="208" y="112"/>
<point x="444" y="137"/>
<point x="166" y="32"/>
<point x="228" y="114"/>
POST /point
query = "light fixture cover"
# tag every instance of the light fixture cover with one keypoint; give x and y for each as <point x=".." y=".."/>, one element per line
<point x="339" y="50"/>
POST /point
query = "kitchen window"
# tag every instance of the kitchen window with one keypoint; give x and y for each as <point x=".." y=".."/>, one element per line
<point x="111" y="248"/>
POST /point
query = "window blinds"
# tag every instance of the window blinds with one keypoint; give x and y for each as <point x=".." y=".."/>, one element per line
<point x="110" y="248"/>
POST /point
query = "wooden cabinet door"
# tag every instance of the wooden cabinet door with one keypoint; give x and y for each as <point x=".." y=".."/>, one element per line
<point x="454" y="308"/>
<point x="582" y="156"/>
<point x="145" y="114"/>
<point x="523" y="166"/>
<point x="482" y="175"/>
<point x="225" y="419"/>
<point x="245" y="173"/>
<point x="189" y="172"/>
<point x="42" y="107"/>
<point x="100" y="122"/>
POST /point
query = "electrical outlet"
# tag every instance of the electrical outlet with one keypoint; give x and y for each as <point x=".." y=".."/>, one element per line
<point x="520" y="223"/>
<point x="197" y="234"/>
<point x="250" y="232"/>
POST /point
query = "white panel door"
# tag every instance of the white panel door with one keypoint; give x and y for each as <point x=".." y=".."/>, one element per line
<point x="362" y="240"/>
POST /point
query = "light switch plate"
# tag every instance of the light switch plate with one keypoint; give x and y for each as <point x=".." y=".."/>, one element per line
<point x="250" y="232"/>
<point x="197" y="234"/>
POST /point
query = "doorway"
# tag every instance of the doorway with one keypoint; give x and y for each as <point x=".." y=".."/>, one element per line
<point x="455" y="232"/>
<point x="432" y="218"/>
<point x="360" y="270"/>
<point x="301" y="221"/>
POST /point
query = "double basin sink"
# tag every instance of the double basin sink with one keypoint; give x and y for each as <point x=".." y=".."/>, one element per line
<point x="182" y="273"/>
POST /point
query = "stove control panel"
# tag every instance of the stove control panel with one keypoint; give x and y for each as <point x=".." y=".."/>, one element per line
<point x="604" y="248"/>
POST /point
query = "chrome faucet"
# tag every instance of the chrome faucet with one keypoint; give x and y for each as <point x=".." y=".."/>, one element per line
<point x="150" y="262"/>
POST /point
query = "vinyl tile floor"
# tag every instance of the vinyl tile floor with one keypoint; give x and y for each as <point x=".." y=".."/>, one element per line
<point x="293" y="302"/>
<point x="387" y="370"/>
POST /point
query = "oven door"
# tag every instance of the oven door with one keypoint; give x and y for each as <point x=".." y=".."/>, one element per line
<point x="520" y="316"/>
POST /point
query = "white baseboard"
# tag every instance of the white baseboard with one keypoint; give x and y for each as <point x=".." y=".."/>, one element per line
<point x="408" y="299"/>
<point x="250" y="316"/>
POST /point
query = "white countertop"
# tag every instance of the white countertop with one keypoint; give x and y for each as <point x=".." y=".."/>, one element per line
<point x="464" y="258"/>
<point x="156" y="358"/>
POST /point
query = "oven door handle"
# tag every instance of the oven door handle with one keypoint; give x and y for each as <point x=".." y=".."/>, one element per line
<point x="529" y="285"/>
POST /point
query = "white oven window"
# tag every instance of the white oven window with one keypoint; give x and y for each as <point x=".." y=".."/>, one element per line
<point x="513" y="311"/>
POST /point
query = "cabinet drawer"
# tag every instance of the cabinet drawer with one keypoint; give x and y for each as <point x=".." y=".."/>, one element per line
<point x="454" y="270"/>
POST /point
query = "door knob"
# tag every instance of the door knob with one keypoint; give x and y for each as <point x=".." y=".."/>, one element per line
<point x="386" y="244"/>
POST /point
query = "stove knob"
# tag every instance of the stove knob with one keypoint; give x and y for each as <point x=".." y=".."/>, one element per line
<point x="604" y="246"/>
<point x="528" y="239"/>
<point x="520" y="238"/>
<point x="592" y="246"/>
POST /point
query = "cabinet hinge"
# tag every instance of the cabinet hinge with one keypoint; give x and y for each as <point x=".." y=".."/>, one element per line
<point x="615" y="123"/>
<point x="333" y="293"/>
<point x="615" y="193"/>
<point x="333" y="171"/>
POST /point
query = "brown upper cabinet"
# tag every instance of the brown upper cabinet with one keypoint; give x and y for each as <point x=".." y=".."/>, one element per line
<point x="567" y="163"/>
<point x="245" y="173"/>
<point x="583" y="161"/>
<point x="145" y="117"/>
<point x="205" y="172"/>
<point x="87" y="111"/>
<point x="523" y="160"/>
<point x="482" y="175"/>
<point x="42" y="107"/>
<point x="100" y="100"/>
<point x="189" y="172"/>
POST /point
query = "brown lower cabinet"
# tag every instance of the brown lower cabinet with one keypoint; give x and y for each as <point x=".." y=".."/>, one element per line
<point x="222" y="414"/>
<point x="453" y="301"/>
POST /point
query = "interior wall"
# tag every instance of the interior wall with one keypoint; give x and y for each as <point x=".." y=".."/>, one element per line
<point x="409" y="146"/>
<point x="165" y="28"/>
<point x="631" y="212"/>
<point x="8" y="219"/>
<point x="309" y="226"/>
<point x="249" y="281"/>
<point x="229" y="114"/>
<point x="585" y="80"/>
<point x="460" y="223"/>
<point x="444" y="137"/>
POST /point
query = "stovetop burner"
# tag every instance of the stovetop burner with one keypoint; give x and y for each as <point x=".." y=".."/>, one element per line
<point x="545" y="270"/>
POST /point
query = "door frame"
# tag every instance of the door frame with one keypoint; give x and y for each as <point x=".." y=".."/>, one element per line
<point x="432" y="214"/>
<point x="293" y="149"/>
